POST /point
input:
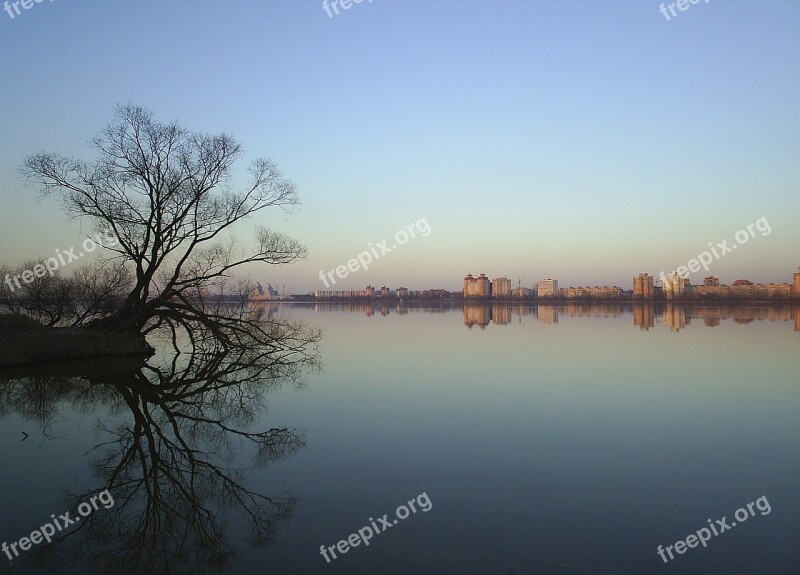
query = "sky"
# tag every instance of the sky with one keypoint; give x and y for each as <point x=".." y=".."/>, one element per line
<point x="586" y="141"/>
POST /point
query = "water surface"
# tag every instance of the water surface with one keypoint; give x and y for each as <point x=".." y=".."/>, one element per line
<point x="571" y="439"/>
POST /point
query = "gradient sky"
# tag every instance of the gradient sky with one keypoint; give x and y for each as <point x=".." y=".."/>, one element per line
<point x="586" y="141"/>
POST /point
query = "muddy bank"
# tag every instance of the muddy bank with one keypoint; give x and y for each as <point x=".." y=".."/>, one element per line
<point x="25" y="342"/>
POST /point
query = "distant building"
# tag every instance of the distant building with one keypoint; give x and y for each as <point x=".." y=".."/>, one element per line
<point x="547" y="289"/>
<point x="796" y="286"/>
<point x="713" y="291"/>
<point x="572" y="292"/>
<point x="370" y="291"/>
<point x="385" y="291"/>
<point x="675" y="286"/>
<point x="596" y="292"/>
<point x="521" y="293"/>
<point x="351" y="293"/>
<point x="433" y="294"/>
<point x="779" y="291"/>
<point x="476" y="286"/>
<point x="258" y="293"/>
<point x="743" y="289"/>
<point x="501" y="288"/>
<point x="402" y="292"/>
<point x="643" y="286"/>
<point x="329" y="293"/>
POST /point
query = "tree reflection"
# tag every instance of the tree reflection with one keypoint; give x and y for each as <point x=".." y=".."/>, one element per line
<point x="170" y="458"/>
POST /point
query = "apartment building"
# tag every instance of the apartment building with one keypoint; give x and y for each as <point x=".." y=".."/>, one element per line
<point x="547" y="289"/>
<point x="477" y="286"/>
<point x="501" y="288"/>
<point x="643" y="286"/>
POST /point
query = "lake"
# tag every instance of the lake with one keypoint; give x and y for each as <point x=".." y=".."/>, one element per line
<point x="527" y="439"/>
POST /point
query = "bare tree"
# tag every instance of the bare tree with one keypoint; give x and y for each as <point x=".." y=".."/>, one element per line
<point x="47" y="298"/>
<point x="166" y="194"/>
<point x="53" y="300"/>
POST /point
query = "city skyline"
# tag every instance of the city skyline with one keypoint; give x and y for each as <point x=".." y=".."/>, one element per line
<point x="643" y="285"/>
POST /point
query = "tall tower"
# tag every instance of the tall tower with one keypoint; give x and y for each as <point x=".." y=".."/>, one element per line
<point x="796" y="286"/>
<point x="643" y="286"/>
<point x="469" y="282"/>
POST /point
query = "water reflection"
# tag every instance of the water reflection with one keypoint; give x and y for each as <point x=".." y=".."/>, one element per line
<point x="383" y="309"/>
<point x="646" y="316"/>
<point x="263" y="310"/>
<point x="575" y="437"/>
<point x="480" y="315"/>
<point x="170" y="457"/>
<point x="675" y="317"/>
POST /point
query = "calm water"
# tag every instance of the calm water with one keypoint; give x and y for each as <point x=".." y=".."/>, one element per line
<point x="547" y="440"/>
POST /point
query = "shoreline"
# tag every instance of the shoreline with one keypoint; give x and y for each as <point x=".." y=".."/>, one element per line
<point x="459" y="301"/>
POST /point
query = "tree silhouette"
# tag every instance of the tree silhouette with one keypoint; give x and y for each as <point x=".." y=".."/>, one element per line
<point x="169" y="462"/>
<point x="167" y="196"/>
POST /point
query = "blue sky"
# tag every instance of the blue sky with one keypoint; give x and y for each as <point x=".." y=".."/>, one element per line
<point x="585" y="141"/>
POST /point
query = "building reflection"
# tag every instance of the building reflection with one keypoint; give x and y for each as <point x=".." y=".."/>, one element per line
<point x="370" y="309"/>
<point x="482" y="314"/>
<point x="592" y="309"/>
<point x="477" y="314"/>
<point x="644" y="317"/>
<point x="262" y="309"/>
<point x="547" y="314"/>
<point x="712" y="315"/>
<point x="521" y="310"/>
<point x="675" y="317"/>
<point x="501" y="314"/>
